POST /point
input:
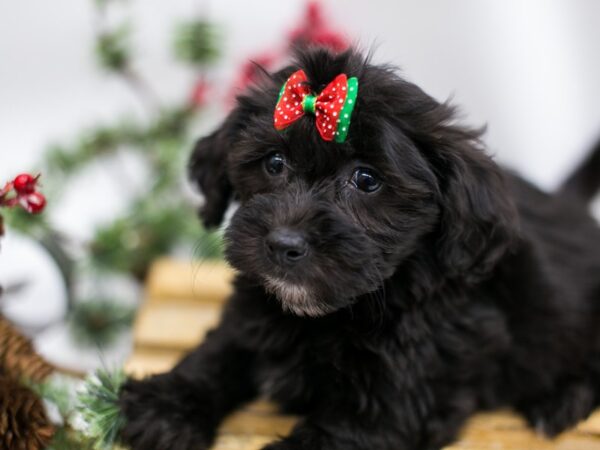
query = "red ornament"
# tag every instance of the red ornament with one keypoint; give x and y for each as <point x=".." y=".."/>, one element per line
<point x="330" y="39"/>
<point x="313" y="30"/>
<point x="25" y="183"/>
<point x="200" y="93"/>
<point x="314" y="14"/>
<point x="22" y="192"/>
<point x="33" y="203"/>
<point x="316" y="31"/>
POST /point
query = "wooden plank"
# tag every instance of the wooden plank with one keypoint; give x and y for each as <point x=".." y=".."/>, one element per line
<point x="523" y="439"/>
<point x="592" y="425"/>
<point x="573" y="441"/>
<point x="241" y="442"/>
<point x="506" y="430"/>
<point x="175" y="325"/>
<point x="149" y="361"/>
<point x="248" y="422"/>
<point x="497" y="420"/>
<point x="261" y="407"/>
<point x="205" y="281"/>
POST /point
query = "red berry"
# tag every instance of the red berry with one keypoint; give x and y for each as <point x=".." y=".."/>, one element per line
<point x="24" y="184"/>
<point x="34" y="202"/>
<point x="200" y="93"/>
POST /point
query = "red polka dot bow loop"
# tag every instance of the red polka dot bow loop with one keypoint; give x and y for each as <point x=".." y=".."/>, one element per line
<point x="332" y="107"/>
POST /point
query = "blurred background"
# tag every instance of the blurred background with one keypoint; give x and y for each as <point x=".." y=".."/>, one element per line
<point x="105" y="98"/>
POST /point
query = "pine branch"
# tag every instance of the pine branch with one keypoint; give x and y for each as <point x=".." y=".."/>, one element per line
<point x="97" y="323"/>
<point x="67" y="439"/>
<point x="98" y="405"/>
<point x="196" y="42"/>
<point x="130" y="244"/>
<point x="113" y="49"/>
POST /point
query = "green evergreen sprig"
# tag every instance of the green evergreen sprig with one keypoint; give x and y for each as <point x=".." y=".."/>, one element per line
<point x="169" y="127"/>
<point x="131" y="243"/>
<point x="113" y="49"/>
<point x="197" y="42"/>
<point x="98" y="322"/>
<point x="98" y="406"/>
<point x="68" y="439"/>
<point x="21" y="220"/>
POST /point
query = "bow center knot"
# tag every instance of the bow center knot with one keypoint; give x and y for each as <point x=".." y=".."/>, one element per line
<point x="309" y="103"/>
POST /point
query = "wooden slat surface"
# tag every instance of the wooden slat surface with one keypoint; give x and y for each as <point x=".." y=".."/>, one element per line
<point x="148" y="360"/>
<point x="184" y="300"/>
<point x="175" y="324"/>
<point x="205" y="281"/>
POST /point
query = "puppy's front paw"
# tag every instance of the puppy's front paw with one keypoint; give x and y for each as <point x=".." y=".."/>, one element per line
<point x="163" y="414"/>
<point x="553" y="414"/>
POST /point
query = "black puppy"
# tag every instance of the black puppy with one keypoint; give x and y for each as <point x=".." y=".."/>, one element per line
<point x="392" y="278"/>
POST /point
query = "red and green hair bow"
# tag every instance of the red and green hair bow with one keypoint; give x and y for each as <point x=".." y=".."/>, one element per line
<point x="332" y="108"/>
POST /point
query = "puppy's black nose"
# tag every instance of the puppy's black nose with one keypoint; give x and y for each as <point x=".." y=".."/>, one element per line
<point x="286" y="246"/>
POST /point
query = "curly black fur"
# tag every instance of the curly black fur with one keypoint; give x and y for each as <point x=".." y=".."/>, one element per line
<point x="456" y="287"/>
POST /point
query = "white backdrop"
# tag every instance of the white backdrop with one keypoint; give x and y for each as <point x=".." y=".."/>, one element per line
<point x="529" y="69"/>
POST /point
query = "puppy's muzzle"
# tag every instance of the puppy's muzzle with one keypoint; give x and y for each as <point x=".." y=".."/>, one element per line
<point x="285" y="246"/>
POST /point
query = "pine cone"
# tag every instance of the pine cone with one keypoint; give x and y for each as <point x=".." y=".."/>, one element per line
<point x="23" y="421"/>
<point x="18" y="358"/>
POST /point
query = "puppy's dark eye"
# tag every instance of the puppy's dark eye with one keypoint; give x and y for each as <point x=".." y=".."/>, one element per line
<point x="365" y="179"/>
<point x="274" y="163"/>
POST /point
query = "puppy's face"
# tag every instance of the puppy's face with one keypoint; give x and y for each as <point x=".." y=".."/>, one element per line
<point x="321" y="223"/>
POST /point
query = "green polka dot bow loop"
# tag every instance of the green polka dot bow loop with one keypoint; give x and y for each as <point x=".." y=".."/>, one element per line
<point x="332" y="107"/>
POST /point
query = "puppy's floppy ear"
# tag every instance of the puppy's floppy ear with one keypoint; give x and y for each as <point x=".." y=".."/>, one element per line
<point x="478" y="219"/>
<point x="207" y="169"/>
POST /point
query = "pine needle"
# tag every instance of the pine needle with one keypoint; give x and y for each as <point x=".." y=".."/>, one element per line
<point x="98" y="406"/>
